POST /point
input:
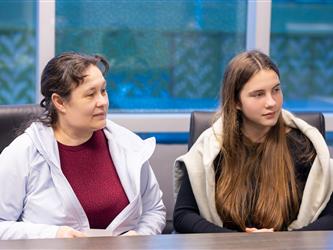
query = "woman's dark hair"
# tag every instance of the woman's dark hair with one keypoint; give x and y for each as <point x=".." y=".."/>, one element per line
<point x="61" y="75"/>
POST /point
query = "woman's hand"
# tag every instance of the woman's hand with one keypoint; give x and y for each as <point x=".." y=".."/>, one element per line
<point x="255" y="230"/>
<point x="68" y="232"/>
<point x="130" y="233"/>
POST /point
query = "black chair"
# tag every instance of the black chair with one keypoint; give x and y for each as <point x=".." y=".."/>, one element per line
<point x="201" y="120"/>
<point x="13" y="118"/>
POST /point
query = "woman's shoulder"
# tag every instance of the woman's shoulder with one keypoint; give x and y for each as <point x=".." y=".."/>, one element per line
<point x="126" y="137"/>
<point x="18" y="155"/>
<point x="27" y="142"/>
<point x="21" y="143"/>
<point x="121" y="131"/>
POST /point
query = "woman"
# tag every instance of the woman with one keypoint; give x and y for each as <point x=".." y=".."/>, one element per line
<point x="258" y="168"/>
<point x="74" y="170"/>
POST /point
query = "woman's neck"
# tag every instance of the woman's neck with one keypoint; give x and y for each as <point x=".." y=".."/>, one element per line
<point x="71" y="137"/>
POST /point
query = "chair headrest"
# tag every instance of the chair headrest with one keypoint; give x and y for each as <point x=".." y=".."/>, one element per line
<point x="201" y="120"/>
<point x="12" y="118"/>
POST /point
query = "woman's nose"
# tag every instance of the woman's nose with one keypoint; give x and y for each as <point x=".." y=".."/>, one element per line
<point x="102" y="100"/>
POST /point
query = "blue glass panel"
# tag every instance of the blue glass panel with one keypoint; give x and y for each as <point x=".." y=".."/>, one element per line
<point x="165" y="55"/>
<point x="167" y="138"/>
<point x="182" y="138"/>
<point x="320" y="105"/>
<point x="302" y="46"/>
<point x="17" y="52"/>
<point x="329" y="138"/>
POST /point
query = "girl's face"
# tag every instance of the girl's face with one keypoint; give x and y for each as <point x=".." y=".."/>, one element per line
<point x="260" y="102"/>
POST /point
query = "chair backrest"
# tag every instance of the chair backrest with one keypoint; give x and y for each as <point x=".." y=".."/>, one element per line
<point x="201" y="120"/>
<point x="12" y="118"/>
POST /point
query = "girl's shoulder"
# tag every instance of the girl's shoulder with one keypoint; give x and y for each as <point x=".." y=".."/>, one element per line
<point x="298" y="141"/>
<point x="301" y="150"/>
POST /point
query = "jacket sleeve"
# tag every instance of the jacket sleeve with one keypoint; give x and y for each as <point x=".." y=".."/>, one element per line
<point x="324" y="221"/>
<point x="153" y="216"/>
<point x="14" y="173"/>
<point x="186" y="216"/>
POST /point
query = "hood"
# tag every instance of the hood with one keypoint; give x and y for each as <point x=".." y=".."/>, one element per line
<point x="129" y="141"/>
<point x="45" y="142"/>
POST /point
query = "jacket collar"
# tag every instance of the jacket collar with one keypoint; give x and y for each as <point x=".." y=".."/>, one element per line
<point x="44" y="140"/>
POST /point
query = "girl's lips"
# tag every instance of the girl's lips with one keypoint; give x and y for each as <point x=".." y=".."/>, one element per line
<point x="269" y="115"/>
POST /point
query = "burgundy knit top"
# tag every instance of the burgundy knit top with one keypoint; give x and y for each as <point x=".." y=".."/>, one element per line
<point x="91" y="173"/>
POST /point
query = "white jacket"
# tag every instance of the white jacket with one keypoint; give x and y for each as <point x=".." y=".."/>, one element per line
<point x="199" y="165"/>
<point x="36" y="198"/>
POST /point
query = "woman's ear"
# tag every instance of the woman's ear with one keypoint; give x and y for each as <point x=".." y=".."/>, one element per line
<point x="58" y="103"/>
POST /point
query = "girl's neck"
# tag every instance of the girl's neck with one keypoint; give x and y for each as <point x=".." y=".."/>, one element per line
<point x="254" y="134"/>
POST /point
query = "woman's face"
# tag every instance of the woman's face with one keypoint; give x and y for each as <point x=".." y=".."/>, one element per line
<point x="260" y="102"/>
<point x="87" y="107"/>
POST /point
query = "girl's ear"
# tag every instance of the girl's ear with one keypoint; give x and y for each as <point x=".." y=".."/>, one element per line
<point x="238" y="106"/>
<point x="58" y="103"/>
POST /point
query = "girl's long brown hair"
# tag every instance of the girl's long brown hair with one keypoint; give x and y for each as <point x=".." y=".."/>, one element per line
<point x="256" y="181"/>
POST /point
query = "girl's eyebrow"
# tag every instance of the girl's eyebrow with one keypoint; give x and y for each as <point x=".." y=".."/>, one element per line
<point x="257" y="90"/>
<point x="278" y="84"/>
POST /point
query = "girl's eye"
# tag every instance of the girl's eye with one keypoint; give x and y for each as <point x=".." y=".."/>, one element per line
<point x="258" y="94"/>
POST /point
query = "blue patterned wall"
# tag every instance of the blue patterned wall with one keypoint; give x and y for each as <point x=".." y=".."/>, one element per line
<point x="17" y="67"/>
